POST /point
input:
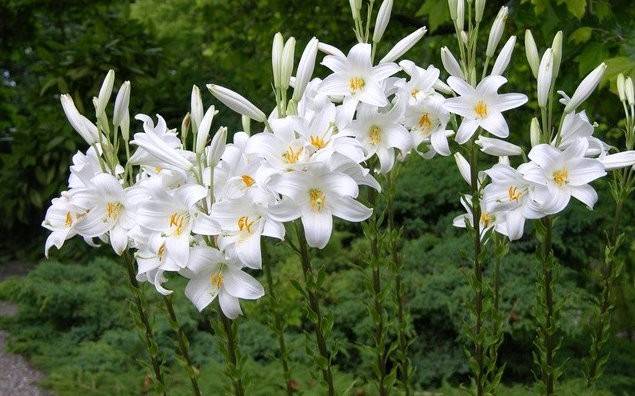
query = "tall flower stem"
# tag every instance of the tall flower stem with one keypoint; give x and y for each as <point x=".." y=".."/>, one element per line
<point x="477" y="284"/>
<point x="610" y="270"/>
<point x="232" y="369"/>
<point x="313" y="304"/>
<point x="278" y="326"/>
<point x="547" y="342"/>
<point x="183" y="344"/>
<point x="377" y="304"/>
<point x="143" y="323"/>
<point x="399" y="292"/>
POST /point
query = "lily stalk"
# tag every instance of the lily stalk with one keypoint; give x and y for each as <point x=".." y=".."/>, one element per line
<point x="183" y="345"/>
<point x="233" y="366"/>
<point x="142" y="322"/>
<point x="621" y="187"/>
<point x="321" y="328"/>
<point x="399" y="298"/>
<point x="278" y="325"/>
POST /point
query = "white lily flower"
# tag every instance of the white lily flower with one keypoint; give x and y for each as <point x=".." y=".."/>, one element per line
<point x="403" y="46"/>
<point x="497" y="147"/>
<point x="236" y="102"/>
<point x="427" y="121"/>
<point x="421" y="83"/>
<point x="212" y="275"/>
<point x="175" y="215"/>
<point x="487" y="220"/>
<point x="159" y="147"/>
<point x="152" y="260"/>
<point x="380" y="133"/>
<point x="624" y="159"/>
<point x="242" y="223"/>
<point x="576" y="126"/>
<point x="316" y="196"/>
<point x="281" y="148"/>
<point x="356" y="79"/>
<point x="82" y="125"/>
<point x="562" y="174"/>
<point x="482" y="106"/>
<point x="503" y="58"/>
<point x="586" y="87"/>
<point x="61" y="218"/>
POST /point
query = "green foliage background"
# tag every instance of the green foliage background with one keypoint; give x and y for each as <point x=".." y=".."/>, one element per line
<point x="73" y="321"/>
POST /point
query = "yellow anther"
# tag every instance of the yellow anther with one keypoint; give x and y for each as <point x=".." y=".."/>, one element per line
<point x="216" y="279"/>
<point x="356" y="84"/>
<point x="248" y="180"/>
<point x="318" y="142"/>
<point x="113" y="210"/>
<point x="561" y="177"/>
<point x="487" y="219"/>
<point x="514" y="193"/>
<point x="480" y="109"/>
<point x="317" y="199"/>
<point x="177" y="223"/>
<point x="69" y="220"/>
<point x="375" y="134"/>
<point x="291" y="156"/>
<point x="244" y="224"/>
<point x="425" y="124"/>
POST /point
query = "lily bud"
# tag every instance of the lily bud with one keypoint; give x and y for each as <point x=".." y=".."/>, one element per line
<point x="450" y="64"/>
<point x="383" y="16"/>
<point x="619" y="160"/>
<point x="460" y="14"/>
<point x="503" y="58"/>
<point x="356" y="6"/>
<point x="203" y="129"/>
<point x="556" y="49"/>
<point x="217" y="147"/>
<point x="185" y="127"/>
<point x="121" y="103"/>
<point x="104" y="92"/>
<point x="464" y="167"/>
<point x="534" y="132"/>
<point x="496" y="32"/>
<point x="331" y="50"/>
<point x="196" y="108"/>
<point x="404" y="45"/>
<point x="237" y="102"/>
<point x="246" y="121"/>
<point x="586" y="87"/>
<point x="305" y="68"/>
<point x="545" y="71"/>
<point x="124" y="126"/>
<point x="629" y="91"/>
<point x="479" y="8"/>
<point x="452" y="4"/>
<point x="531" y="51"/>
<point x="82" y="125"/>
<point x="442" y="87"/>
<point x="276" y="58"/>
<point x="287" y="63"/>
<point x="497" y="147"/>
<point x="621" y="85"/>
<point x="464" y="37"/>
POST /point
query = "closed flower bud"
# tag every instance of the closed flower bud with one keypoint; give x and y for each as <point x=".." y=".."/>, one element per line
<point x="276" y="58"/>
<point x="121" y="103"/>
<point x="196" y="108"/>
<point x="452" y="4"/>
<point x="534" y="132"/>
<point x="556" y="49"/>
<point x="503" y="58"/>
<point x="479" y="8"/>
<point x="287" y="63"/>
<point x="442" y="87"/>
<point x="497" y="147"/>
<point x="124" y="126"/>
<point x="586" y="87"/>
<point x="464" y="167"/>
<point x="104" y="93"/>
<point x="246" y="121"/>
<point x="185" y="127"/>
<point x="544" y="78"/>
<point x="305" y="68"/>
<point x="629" y="91"/>
<point x="621" y="87"/>
<point x="404" y="45"/>
<point x="82" y="125"/>
<point x="383" y="16"/>
<point x="496" y="32"/>
<point x="217" y="147"/>
<point x="330" y="50"/>
<point x="619" y="160"/>
<point x="531" y="51"/>
<point x="203" y="129"/>
<point x="450" y="63"/>
<point x="460" y="15"/>
<point x="356" y="6"/>
<point x="236" y="102"/>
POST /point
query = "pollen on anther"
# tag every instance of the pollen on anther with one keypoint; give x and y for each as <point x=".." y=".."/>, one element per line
<point x="480" y="108"/>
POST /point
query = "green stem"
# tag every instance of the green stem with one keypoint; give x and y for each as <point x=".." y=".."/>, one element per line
<point x="279" y="326"/>
<point x="548" y="326"/>
<point x="148" y="335"/>
<point x="231" y="361"/>
<point x="402" y="336"/>
<point x="314" y="305"/>
<point x="479" y="352"/>
<point x="183" y="344"/>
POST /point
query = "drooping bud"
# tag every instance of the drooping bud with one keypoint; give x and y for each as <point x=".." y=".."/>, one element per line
<point x="237" y="102"/>
<point x="287" y="63"/>
<point x="404" y="45"/>
<point x="276" y="58"/>
<point x="534" y="132"/>
<point x="586" y="87"/>
<point x="545" y="71"/>
<point x="104" y="92"/>
<point x="531" y="51"/>
<point x="496" y="32"/>
<point x="497" y="147"/>
<point x="383" y="17"/>
<point x="82" y="125"/>
<point x="503" y="58"/>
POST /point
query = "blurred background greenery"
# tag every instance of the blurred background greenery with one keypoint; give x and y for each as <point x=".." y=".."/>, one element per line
<point x="73" y="321"/>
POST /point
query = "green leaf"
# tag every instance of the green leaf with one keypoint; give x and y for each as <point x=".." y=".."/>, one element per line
<point x="436" y="11"/>
<point x="575" y="7"/>
<point x="581" y="35"/>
